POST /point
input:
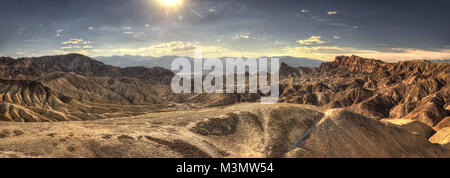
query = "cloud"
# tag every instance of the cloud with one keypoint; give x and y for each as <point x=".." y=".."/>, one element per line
<point x="58" y="52"/>
<point x="297" y="50"/>
<point x="74" y="46"/>
<point x="58" y="32"/>
<point x="353" y="28"/>
<point x="91" y="28"/>
<point x="331" y="22"/>
<point x="175" y="47"/>
<point x="332" y="13"/>
<point x="411" y="54"/>
<point x="197" y="14"/>
<point x="70" y="47"/>
<point x="313" y="40"/>
<point x="245" y="36"/>
<point x="129" y="33"/>
<point x="328" y="53"/>
<point x="81" y="51"/>
<point x="319" y="19"/>
<point x="61" y="52"/>
<point x="241" y="36"/>
<point x="304" y="11"/>
<point x="178" y="48"/>
<point x="21" y="30"/>
<point x="323" y="52"/>
<point x="337" y="37"/>
<point x="73" y="41"/>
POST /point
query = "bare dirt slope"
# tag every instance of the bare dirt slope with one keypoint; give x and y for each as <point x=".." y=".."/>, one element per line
<point x="241" y="130"/>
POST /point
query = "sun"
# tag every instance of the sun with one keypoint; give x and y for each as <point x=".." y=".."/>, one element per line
<point x="171" y="3"/>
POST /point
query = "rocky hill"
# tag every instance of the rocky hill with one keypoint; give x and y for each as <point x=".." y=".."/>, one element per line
<point x="76" y="87"/>
<point x="31" y="68"/>
<point x="417" y="90"/>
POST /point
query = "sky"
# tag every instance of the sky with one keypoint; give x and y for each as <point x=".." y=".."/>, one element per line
<point x="316" y="29"/>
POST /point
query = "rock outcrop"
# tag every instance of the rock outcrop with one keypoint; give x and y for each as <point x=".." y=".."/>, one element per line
<point x="415" y="90"/>
<point x="30" y="68"/>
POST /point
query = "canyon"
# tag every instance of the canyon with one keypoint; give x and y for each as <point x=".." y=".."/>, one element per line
<point x="74" y="106"/>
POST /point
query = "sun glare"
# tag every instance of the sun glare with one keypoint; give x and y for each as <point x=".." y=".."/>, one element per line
<point x="170" y="3"/>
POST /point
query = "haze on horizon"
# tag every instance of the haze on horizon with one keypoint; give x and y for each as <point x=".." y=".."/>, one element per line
<point x="387" y="30"/>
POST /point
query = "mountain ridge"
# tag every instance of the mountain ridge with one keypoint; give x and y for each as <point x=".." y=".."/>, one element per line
<point x="165" y="61"/>
<point x="417" y="90"/>
<point x="77" y="63"/>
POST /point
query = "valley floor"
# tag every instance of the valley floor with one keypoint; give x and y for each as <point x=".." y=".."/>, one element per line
<point x="240" y="130"/>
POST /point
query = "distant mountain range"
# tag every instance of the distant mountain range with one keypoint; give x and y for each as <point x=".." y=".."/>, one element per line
<point x="166" y="61"/>
<point x="440" y="61"/>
